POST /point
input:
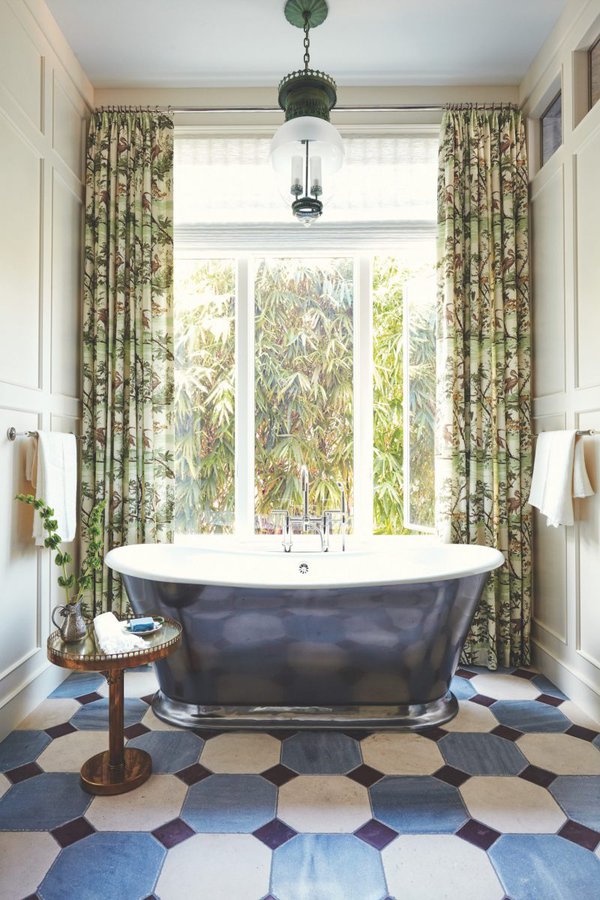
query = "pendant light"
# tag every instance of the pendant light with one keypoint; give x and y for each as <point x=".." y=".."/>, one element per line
<point x="306" y="150"/>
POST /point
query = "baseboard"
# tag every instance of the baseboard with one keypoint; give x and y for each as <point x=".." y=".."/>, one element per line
<point x="565" y="678"/>
<point x="16" y="707"/>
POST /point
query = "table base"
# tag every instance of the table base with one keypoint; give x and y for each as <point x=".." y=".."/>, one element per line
<point x="98" y="777"/>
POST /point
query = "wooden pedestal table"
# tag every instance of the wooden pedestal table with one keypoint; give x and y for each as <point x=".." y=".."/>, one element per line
<point x="118" y="769"/>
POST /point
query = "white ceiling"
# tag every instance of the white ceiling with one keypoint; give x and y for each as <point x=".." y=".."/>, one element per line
<point x="195" y="43"/>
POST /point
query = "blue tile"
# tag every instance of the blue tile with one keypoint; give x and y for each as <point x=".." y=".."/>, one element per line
<point x="170" y="750"/>
<point x="94" y="716"/>
<point x="21" y="747"/>
<point x="78" y="684"/>
<point x="230" y="803"/>
<point x="529" y="715"/>
<point x="579" y="796"/>
<point x="536" y="866"/>
<point x="104" y="866"/>
<point x="418" y="805"/>
<point x="43" y="802"/>
<point x="321" y="753"/>
<point x="482" y="754"/>
<point x="462" y="688"/>
<point x="327" y="867"/>
<point x="547" y="687"/>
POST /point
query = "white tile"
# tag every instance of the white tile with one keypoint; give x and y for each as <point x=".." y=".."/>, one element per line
<point x="155" y="724"/>
<point x="136" y="684"/>
<point x="50" y="713"/>
<point x="472" y="717"/>
<point x="214" y="866"/>
<point x="323" y="803"/>
<point x="241" y="753"/>
<point x="4" y="785"/>
<point x="561" y="753"/>
<point x="401" y="754"/>
<point x="25" y="857"/>
<point x="512" y="805"/>
<point x="69" y="752"/>
<point x="155" y="802"/>
<point x="460" y="869"/>
<point x="578" y="716"/>
<point x="505" y="687"/>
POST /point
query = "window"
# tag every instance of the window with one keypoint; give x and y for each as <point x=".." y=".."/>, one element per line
<point x="304" y="346"/>
<point x="551" y="126"/>
<point x="594" y="72"/>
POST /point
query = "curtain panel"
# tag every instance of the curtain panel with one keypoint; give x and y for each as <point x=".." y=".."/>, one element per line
<point x="483" y="453"/>
<point x="128" y="367"/>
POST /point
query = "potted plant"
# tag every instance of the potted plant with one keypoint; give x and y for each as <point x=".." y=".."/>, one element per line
<point x="74" y="627"/>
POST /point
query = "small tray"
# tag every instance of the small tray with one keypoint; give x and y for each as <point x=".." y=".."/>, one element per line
<point x="158" y="624"/>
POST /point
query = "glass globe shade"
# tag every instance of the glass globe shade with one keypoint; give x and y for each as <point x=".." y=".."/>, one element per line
<point x="326" y="142"/>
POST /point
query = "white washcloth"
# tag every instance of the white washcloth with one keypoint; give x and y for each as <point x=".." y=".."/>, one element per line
<point x="112" y="638"/>
<point x="559" y="474"/>
<point x="51" y="467"/>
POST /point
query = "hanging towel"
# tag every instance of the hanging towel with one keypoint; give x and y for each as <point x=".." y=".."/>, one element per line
<point x="559" y="474"/>
<point x="112" y="638"/>
<point x="51" y="467"/>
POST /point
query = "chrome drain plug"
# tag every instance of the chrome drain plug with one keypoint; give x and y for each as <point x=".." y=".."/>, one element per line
<point x="303" y="568"/>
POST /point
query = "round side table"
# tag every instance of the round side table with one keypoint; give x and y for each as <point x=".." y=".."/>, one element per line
<point x="118" y="769"/>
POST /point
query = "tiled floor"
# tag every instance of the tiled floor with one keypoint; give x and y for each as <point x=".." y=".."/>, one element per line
<point x="504" y="801"/>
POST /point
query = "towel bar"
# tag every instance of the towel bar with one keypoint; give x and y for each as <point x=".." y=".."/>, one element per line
<point x="12" y="434"/>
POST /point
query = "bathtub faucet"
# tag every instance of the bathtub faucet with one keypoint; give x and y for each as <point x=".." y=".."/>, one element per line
<point x="306" y="523"/>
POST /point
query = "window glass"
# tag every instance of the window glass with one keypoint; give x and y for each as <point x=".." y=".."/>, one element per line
<point x="204" y="395"/>
<point x="551" y="123"/>
<point x="594" y="63"/>
<point x="303" y="383"/>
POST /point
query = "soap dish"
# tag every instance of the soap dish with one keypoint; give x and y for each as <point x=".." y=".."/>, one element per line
<point x="158" y="624"/>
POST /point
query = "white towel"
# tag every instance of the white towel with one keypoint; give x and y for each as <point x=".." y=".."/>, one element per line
<point x="51" y="467"/>
<point x="559" y="474"/>
<point x="112" y="638"/>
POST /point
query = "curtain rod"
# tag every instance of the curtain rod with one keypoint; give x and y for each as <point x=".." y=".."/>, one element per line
<point x="277" y="109"/>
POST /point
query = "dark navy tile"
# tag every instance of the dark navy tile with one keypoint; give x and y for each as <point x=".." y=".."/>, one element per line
<point x="483" y="700"/>
<point x="535" y="866"/>
<point x="536" y="775"/>
<point x="89" y="698"/>
<point x="376" y="834"/>
<point x="279" y="775"/>
<point x="230" y="803"/>
<point x="172" y="833"/>
<point x="527" y="674"/>
<point x="171" y="751"/>
<point x="418" y="804"/>
<point x="327" y="867"/>
<point x="365" y="775"/>
<point x="22" y="747"/>
<point x="56" y="731"/>
<point x="193" y="774"/>
<point x="465" y="673"/>
<point x="528" y="716"/>
<point x="274" y="833"/>
<point x="482" y="754"/>
<point x="451" y="776"/>
<point x="44" y="802"/>
<point x="78" y="684"/>
<point x="580" y="834"/>
<point x="547" y="687"/>
<point x="94" y="716"/>
<point x="104" y="866"/>
<point x="550" y="701"/>
<point x="320" y="753"/>
<point x="477" y="833"/>
<point x="22" y="773"/>
<point x="584" y="734"/>
<point x="73" y="831"/>
<point x="462" y="688"/>
<point x="579" y="796"/>
<point x="134" y="731"/>
<point x="510" y="734"/>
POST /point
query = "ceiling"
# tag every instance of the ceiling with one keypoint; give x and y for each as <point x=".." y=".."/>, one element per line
<point x="196" y="43"/>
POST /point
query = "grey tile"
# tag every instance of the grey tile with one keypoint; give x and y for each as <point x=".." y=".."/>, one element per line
<point x="535" y="866"/>
<point x="43" y="802"/>
<point x="482" y="754"/>
<point x="419" y="804"/>
<point x="321" y="753"/>
<point x="230" y="803"/>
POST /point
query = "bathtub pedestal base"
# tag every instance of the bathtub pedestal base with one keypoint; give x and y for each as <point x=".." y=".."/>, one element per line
<point x="412" y="717"/>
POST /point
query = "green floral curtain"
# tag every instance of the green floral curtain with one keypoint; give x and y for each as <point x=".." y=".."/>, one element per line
<point x="483" y="465"/>
<point x="127" y="448"/>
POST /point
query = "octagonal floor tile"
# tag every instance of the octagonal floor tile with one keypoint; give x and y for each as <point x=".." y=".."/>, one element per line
<point x="4" y="785"/>
<point x="418" y="804"/>
<point x="321" y="753"/>
<point x="505" y="687"/>
<point x="216" y="865"/>
<point x="24" y="860"/>
<point x="482" y="754"/>
<point x="578" y="717"/>
<point x="579" y="796"/>
<point x="21" y="747"/>
<point x="323" y="803"/>
<point x="460" y="870"/>
<point x="241" y="753"/>
<point x="94" y="716"/>
<point x="155" y="724"/>
<point x="105" y="866"/>
<point x="529" y="715"/>
<point x="462" y="688"/>
<point x="230" y="803"/>
<point x="135" y="684"/>
<point x="50" y="713"/>
<point x="532" y="866"/>
<point x="170" y="751"/>
<point x="43" y="802"/>
<point x="512" y="805"/>
<point x="401" y="754"/>
<point x="155" y="802"/>
<point x="69" y="752"/>
<point x="471" y="717"/>
<point x="548" y="687"/>
<point x="327" y="867"/>
<point x="561" y="754"/>
<point x="78" y="684"/>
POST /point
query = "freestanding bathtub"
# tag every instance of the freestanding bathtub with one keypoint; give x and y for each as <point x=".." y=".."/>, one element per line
<point x="368" y="638"/>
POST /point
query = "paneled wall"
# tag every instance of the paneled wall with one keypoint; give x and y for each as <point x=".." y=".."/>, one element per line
<point x="565" y="196"/>
<point x="44" y="102"/>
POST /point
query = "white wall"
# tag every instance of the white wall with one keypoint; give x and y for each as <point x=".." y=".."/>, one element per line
<point x="566" y="306"/>
<point x="44" y="102"/>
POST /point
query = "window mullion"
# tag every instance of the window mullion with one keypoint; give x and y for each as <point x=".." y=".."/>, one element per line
<point x="244" y="401"/>
<point x="363" y="399"/>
